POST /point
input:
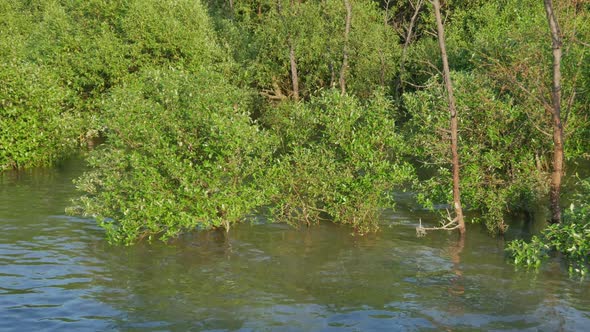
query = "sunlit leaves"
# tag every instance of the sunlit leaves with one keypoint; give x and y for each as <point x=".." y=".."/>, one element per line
<point x="181" y="154"/>
<point x="498" y="170"/>
<point x="340" y="160"/>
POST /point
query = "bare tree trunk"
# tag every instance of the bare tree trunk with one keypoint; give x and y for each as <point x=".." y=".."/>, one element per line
<point x="410" y="31"/>
<point x="231" y="5"/>
<point x="386" y="14"/>
<point x="409" y="34"/>
<point x="345" y="47"/>
<point x="294" y="74"/>
<point x="453" y="112"/>
<point x="292" y="57"/>
<point x="558" y="139"/>
<point x="330" y="60"/>
<point x="293" y="62"/>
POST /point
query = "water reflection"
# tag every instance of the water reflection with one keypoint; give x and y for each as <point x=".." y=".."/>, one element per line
<point x="457" y="287"/>
<point x="57" y="273"/>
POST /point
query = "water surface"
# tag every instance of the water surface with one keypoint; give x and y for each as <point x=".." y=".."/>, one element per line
<point x="58" y="274"/>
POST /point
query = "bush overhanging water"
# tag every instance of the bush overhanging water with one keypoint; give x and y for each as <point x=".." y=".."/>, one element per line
<point x="215" y="110"/>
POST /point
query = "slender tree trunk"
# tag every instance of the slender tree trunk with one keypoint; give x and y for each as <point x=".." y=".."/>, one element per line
<point x="231" y="5"/>
<point x="293" y="62"/>
<point x="345" y="47"/>
<point x="329" y="57"/>
<point x="332" y="73"/>
<point x="292" y="57"/>
<point x="453" y="113"/>
<point x="558" y="139"/>
<point x="294" y="74"/>
<point x="386" y="14"/>
<point x="409" y="33"/>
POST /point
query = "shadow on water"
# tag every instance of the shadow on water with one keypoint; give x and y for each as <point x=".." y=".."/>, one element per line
<point x="58" y="274"/>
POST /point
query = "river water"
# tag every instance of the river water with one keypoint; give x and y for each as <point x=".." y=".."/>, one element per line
<point x="58" y="274"/>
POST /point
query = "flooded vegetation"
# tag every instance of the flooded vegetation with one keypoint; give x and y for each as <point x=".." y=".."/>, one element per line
<point x="258" y="164"/>
<point x="59" y="273"/>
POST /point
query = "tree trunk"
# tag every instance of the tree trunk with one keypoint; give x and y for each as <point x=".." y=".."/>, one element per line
<point x="345" y="47"/>
<point x="294" y="74"/>
<point x="386" y="14"/>
<point x="558" y="139"/>
<point x="402" y="61"/>
<point x="292" y="57"/>
<point x="453" y="113"/>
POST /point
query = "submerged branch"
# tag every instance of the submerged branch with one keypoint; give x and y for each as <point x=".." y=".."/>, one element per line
<point x="449" y="225"/>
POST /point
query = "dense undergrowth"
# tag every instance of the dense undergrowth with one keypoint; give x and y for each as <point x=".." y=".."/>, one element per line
<point x="205" y="125"/>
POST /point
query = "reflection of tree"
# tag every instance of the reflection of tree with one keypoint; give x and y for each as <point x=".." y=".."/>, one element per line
<point x="456" y="287"/>
<point x="186" y="284"/>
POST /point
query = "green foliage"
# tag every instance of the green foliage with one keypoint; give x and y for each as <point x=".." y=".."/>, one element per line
<point x="35" y="128"/>
<point x="181" y="154"/>
<point x="260" y="32"/>
<point x="502" y="76"/>
<point x="181" y="151"/>
<point x="96" y="44"/>
<point x="174" y="33"/>
<point x="169" y="94"/>
<point x="497" y="148"/>
<point x="571" y="238"/>
<point x="339" y="160"/>
<point x="375" y="50"/>
<point x="529" y="254"/>
<point x="506" y="44"/>
<point x="78" y="51"/>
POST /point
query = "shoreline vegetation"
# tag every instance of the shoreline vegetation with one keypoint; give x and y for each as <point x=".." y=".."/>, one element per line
<point x="312" y="110"/>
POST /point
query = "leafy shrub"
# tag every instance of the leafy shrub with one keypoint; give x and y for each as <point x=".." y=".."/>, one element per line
<point x="259" y="34"/>
<point x="35" y="128"/>
<point x="498" y="147"/>
<point x="339" y="160"/>
<point x="181" y="154"/>
<point x="177" y="33"/>
<point x="571" y="238"/>
<point x="76" y="52"/>
<point x="529" y="254"/>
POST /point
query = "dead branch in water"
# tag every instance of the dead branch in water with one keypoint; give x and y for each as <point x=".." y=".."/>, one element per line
<point x="448" y="225"/>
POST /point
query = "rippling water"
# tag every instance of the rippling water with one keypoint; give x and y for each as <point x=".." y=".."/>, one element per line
<point x="57" y="273"/>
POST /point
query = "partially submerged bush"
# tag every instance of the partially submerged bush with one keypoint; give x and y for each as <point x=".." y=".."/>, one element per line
<point x="339" y="160"/>
<point x="182" y="151"/>
<point x="571" y="238"/>
<point x="181" y="154"/>
<point x="59" y="60"/>
<point x="500" y="149"/>
<point x="35" y="128"/>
